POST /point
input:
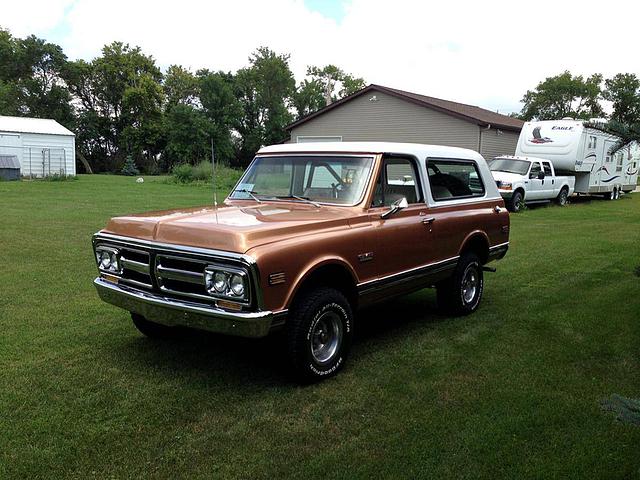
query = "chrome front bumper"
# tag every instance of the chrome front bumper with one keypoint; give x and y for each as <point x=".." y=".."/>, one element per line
<point x="173" y="312"/>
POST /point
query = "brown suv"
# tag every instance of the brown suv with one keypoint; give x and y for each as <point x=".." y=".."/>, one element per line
<point x="311" y="233"/>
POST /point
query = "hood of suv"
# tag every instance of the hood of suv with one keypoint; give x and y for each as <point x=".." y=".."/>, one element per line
<point x="235" y="227"/>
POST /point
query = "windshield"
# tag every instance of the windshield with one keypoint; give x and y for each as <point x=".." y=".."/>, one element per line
<point x="509" y="165"/>
<point x="323" y="179"/>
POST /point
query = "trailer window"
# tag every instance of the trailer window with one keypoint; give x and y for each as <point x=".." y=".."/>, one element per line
<point x="450" y="180"/>
<point x="593" y="141"/>
<point x="619" y="158"/>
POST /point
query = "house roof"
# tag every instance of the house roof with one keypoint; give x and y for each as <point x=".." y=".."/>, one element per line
<point x="471" y="113"/>
<point x="32" y="125"/>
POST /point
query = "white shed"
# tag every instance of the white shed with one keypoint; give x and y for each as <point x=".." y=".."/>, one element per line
<point x="43" y="146"/>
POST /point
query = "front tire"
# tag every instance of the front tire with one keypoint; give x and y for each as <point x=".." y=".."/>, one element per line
<point x="514" y="204"/>
<point x="461" y="293"/>
<point x="152" y="329"/>
<point x="319" y="334"/>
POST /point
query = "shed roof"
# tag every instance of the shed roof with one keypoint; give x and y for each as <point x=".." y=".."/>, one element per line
<point x="471" y="113"/>
<point x="9" y="161"/>
<point x="33" y="125"/>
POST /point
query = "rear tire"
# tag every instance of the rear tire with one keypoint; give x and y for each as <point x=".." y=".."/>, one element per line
<point x="461" y="293"/>
<point x="319" y="334"/>
<point x="563" y="197"/>
<point x="515" y="202"/>
<point x="152" y="329"/>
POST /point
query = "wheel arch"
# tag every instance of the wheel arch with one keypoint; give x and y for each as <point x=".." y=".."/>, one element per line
<point x="329" y="272"/>
<point x="477" y="242"/>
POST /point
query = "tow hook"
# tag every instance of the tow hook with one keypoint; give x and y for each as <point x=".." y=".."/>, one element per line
<point x="488" y="269"/>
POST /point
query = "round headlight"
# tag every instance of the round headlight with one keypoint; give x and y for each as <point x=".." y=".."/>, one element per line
<point x="237" y="285"/>
<point x="105" y="260"/>
<point x="220" y="282"/>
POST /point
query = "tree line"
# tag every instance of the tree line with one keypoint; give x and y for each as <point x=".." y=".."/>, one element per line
<point x="121" y="104"/>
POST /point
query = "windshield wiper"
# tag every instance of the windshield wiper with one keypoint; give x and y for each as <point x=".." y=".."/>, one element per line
<point x="250" y="192"/>
<point x="302" y="199"/>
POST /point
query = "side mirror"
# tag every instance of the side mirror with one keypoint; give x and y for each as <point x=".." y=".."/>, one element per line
<point x="396" y="207"/>
<point x="540" y="175"/>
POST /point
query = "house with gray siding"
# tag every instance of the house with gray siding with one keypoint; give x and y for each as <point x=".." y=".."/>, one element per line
<point x="378" y="113"/>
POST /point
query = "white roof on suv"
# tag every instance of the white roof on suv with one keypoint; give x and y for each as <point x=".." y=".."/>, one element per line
<point x="417" y="149"/>
<point x="32" y="125"/>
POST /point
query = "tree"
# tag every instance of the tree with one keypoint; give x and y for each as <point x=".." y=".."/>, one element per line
<point x="332" y="78"/>
<point x="187" y="135"/>
<point x="564" y="96"/>
<point x="623" y="91"/>
<point x="180" y="86"/>
<point x="120" y="98"/>
<point x="264" y="92"/>
<point x="308" y="97"/>
<point x="222" y="110"/>
<point x="32" y="79"/>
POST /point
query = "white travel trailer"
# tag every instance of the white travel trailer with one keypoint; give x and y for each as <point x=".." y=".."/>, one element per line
<point x="584" y="153"/>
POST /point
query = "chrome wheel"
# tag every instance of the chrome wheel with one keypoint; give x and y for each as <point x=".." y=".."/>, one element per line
<point x="470" y="283"/>
<point x="326" y="337"/>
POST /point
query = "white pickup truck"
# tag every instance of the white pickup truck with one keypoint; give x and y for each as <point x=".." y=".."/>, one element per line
<point x="523" y="180"/>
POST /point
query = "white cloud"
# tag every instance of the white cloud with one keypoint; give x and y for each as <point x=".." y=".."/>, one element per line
<point x="485" y="53"/>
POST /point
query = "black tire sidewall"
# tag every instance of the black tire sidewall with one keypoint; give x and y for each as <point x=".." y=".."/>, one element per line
<point x="305" y="317"/>
<point x="516" y="200"/>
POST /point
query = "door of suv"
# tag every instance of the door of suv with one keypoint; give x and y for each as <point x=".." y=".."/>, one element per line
<point x="402" y="240"/>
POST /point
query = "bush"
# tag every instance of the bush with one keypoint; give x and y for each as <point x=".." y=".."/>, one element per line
<point x="182" y="173"/>
<point x="59" y="177"/>
<point x="129" y="167"/>
<point x="202" y="171"/>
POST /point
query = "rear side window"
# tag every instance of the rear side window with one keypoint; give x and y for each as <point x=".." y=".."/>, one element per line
<point x="547" y="168"/>
<point x="451" y="180"/>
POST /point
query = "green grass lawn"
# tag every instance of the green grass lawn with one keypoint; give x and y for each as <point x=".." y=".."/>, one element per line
<point x="512" y="391"/>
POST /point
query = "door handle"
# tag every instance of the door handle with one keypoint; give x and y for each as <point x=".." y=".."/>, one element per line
<point x="428" y="221"/>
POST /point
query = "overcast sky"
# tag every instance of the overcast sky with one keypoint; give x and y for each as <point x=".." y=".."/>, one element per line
<point x="484" y="53"/>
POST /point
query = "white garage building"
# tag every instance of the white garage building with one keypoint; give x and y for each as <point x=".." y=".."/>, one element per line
<point x="42" y="146"/>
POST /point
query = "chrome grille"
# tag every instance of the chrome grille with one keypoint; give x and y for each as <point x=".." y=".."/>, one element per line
<point x="136" y="267"/>
<point x="181" y="276"/>
<point x="165" y="269"/>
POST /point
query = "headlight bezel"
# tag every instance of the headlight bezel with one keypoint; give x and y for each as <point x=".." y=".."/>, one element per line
<point x="210" y="273"/>
<point x="505" y="185"/>
<point x="115" y="264"/>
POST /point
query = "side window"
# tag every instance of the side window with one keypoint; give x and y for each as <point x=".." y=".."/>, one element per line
<point x="620" y="159"/>
<point x="535" y="170"/>
<point x="398" y="179"/>
<point x="547" y="168"/>
<point x="451" y="179"/>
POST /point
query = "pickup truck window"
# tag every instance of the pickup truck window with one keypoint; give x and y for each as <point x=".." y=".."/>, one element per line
<point x="324" y="179"/>
<point x="509" y="165"/>
<point x="399" y="178"/>
<point x="547" y="168"/>
<point x="450" y="180"/>
<point x="535" y="170"/>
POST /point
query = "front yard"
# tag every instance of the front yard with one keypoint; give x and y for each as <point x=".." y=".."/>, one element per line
<point x="512" y="391"/>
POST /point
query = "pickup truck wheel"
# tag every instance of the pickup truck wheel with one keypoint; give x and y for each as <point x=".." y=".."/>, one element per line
<point x="319" y="333"/>
<point x="515" y="202"/>
<point x="152" y="329"/>
<point x="461" y="294"/>
<point x="563" y="197"/>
